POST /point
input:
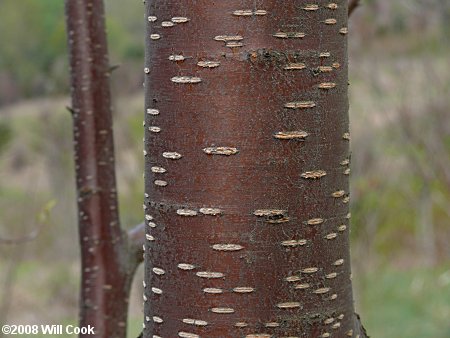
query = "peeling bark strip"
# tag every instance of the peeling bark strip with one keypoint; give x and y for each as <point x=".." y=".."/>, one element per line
<point x="290" y="135"/>
<point x="221" y="151"/>
<point x="252" y="108"/>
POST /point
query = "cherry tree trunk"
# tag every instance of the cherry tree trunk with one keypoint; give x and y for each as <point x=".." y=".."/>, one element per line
<point x="247" y="170"/>
<point x="108" y="259"/>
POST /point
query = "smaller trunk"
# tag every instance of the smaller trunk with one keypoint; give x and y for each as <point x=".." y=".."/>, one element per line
<point x="106" y="271"/>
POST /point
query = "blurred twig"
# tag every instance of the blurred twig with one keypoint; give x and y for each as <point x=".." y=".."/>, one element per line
<point x="352" y="5"/>
<point x="42" y="221"/>
<point x="27" y="238"/>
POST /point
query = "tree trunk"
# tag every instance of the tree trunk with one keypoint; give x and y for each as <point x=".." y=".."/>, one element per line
<point x="247" y="167"/>
<point x="108" y="258"/>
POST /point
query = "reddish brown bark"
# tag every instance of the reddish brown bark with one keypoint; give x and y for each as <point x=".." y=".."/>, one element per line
<point x="247" y="167"/>
<point x="108" y="259"/>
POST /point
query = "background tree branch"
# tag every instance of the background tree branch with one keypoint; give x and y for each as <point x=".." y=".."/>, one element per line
<point x="106" y="268"/>
<point x="136" y="238"/>
<point x="352" y="5"/>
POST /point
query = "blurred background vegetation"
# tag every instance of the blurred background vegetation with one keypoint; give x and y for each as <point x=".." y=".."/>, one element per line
<point x="400" y="124"/>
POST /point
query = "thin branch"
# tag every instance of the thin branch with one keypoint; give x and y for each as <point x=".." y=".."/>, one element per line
<point x="42" y="221"/>
<point x="113" y="68"/>
<point x="362" y="331"/>
<point x="136" y="239"/>
<point x="24" y="239"/>
<point x="352" y="5"/>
